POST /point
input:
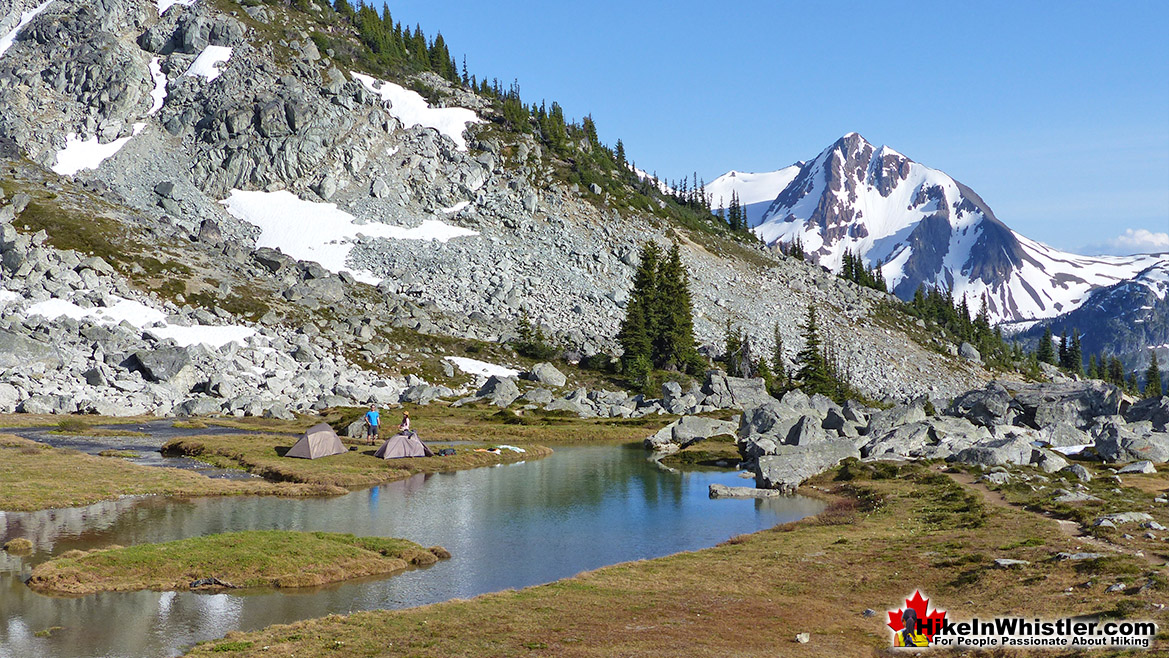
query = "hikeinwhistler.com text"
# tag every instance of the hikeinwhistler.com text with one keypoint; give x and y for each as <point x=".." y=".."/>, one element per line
<point x="1020" y="632"/>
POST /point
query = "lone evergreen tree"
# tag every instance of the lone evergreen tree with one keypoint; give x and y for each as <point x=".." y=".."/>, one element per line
<point x="640" y="324"/>
<point x="814" y="374"/>
<point x="1076" y="354"/>
<point x="1046" y="351"/>
<point x="673" y="342"/>
<point x="778" y="369"/>
<point x="1153" y="378"/>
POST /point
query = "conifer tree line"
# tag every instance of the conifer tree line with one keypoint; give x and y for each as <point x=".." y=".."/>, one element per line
<point x="658" y="330"/>
<point x="852" y="268"/>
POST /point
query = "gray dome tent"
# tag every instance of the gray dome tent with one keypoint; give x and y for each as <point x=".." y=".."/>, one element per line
<point x="318" y="441"/>
<point x="403" y="444"/>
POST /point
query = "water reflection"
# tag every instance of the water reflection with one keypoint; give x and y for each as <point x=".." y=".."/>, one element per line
<point x="507" y="527"/>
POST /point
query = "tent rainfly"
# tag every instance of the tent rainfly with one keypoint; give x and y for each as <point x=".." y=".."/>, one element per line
<point x="403" y="444"/>
<point x="318" y="441"/>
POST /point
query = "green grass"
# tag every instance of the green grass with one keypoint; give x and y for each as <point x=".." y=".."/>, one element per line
<point x="262" y="558"/>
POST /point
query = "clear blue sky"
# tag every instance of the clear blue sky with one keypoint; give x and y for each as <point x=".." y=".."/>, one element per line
<point x="1056" y="113"/>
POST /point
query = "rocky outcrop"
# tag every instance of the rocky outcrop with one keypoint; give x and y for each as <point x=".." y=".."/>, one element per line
<point x="790" y="465"/>
<point x="688" y="430"/>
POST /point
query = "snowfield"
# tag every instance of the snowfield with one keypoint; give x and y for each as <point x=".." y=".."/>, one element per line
<point x="80" y="154"/>
<point x="411" y="109"/>
<point x="207" y="64"/>
<point x="476" y="367"/>
<point x="141" y="316"/>
<point x="25" y="18"/>
<point x="756" y="191"/>
<point x="320" y="232"/>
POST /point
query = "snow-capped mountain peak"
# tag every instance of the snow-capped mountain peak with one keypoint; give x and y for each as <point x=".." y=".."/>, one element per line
<point x="755" y="191"/>
<point x="922" y="227"/>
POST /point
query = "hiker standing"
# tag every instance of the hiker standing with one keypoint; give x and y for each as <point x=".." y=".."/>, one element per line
<point x="371" y="422"/>
<point x="405" y="425"/>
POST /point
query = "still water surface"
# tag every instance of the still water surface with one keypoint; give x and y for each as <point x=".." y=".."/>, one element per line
<point x="507" y="527"/>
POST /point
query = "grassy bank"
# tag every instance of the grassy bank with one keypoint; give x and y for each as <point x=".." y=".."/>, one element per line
<point x="267" y="558"/>
<point x="711" y="452"/>
<point x="36" y="476"/>
<point x="891" y="530"/>
<point x="263" y="455"/>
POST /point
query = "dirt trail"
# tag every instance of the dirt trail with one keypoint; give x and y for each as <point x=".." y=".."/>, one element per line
<point x="1067" y="528"/>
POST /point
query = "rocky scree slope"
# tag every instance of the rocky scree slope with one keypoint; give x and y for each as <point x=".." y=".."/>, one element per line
<point x="281" y="117"/>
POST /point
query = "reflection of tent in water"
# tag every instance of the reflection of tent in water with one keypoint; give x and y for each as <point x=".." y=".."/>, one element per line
<point x="403" y="444"/>
<point x="318" y="441"/>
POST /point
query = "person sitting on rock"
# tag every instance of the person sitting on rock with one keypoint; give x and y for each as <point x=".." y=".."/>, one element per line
<point x="371" y="422"/>
<point x="405" y="425"/>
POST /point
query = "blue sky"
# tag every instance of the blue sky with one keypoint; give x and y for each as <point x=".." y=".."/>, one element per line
<point x="1057" y="114"/>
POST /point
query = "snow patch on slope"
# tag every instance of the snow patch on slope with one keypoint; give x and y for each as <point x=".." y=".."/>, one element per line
<point x="476" y="367"/>
<point x="163" y="5"/>
<point x="141" y="316"/>
<point x="25" y="18"/>
<point x="756" y="190"/>
<point x="411" y="109"/>
<point x="158" y="94"/>
<point x="320" y="232"/>
<point x="207" y="64"/>
<point x="80" y="154"/>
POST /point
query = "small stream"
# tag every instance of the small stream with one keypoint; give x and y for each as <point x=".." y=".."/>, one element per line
<point x="508" y="526"/>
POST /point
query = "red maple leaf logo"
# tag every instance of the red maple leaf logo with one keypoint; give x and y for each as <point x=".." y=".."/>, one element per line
<point x="930" y="623"/>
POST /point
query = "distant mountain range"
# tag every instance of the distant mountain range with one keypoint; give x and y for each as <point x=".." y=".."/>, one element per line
<point x="921" y="227"/>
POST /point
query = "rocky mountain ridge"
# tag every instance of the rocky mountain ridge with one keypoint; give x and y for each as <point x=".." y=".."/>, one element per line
<point x="278" y="116"/>
<point x="922" y="227"/>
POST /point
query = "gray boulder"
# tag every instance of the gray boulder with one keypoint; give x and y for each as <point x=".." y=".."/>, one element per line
<point x="1047" y="461"/>
<point x="9" y="398"/>
<point x="791" y="465"/>
<point x="988" y="407"/>
<point x="1153" y="410"/>
<point x="1120" y="444"/>
<point x="17" y="351"/>
<point x="1079" y="472"/>
<point x="688" y="430"/>
<point x="1122" y="518"/>
<point x="48" y="404"/>
<point x="1063" y="435"/>
<point x="968" y="352"/>
<point x="806" y="431"/>
<point x="1011" y="449"/>
<point x="725" y="392"/>
<point x="723" y="491"/>
<point x="500" y="391"/>
<point x="198" y="406"/>
<point x="547" y="374"/>
<point x="883" y="421"/>
<point x="538" y="396"/>
<point x="161" y="365"/>
<point x="1075" y="402"/>
<point x="1138" y="467"/>
<point x="937" y="437"/>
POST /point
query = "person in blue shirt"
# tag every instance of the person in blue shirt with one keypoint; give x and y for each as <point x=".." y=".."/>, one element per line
<point x="371" y="423"/>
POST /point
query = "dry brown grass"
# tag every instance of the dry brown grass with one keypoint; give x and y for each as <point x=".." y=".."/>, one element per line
<point x="750" y="596"/>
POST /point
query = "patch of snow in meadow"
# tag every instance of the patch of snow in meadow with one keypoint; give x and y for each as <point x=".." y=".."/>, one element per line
<point x="306" y="230"/>
<point x="141" y="316"/>
<point x="206" y="65"/>
<point x="8" y="39"/>
<point x="158" y="94"/>
<point x="477" y="367"/>
<point x="411" y="109"/>
<point x="81" y="154"/>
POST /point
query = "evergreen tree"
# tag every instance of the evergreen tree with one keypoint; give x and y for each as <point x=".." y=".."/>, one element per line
<point x="1093" y="367"/>
<point x="674" y="347"/>
<point x="1153" y="378"/>
<point x="778" y="368"/>
<point x="1046" y="351"/>
<point x="1116" y="371"/>
<point x="1064" y="349"/>
<point x="1076" y="354"/>
<point x="814" y="374"/>
<point x="640" y="324"/>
